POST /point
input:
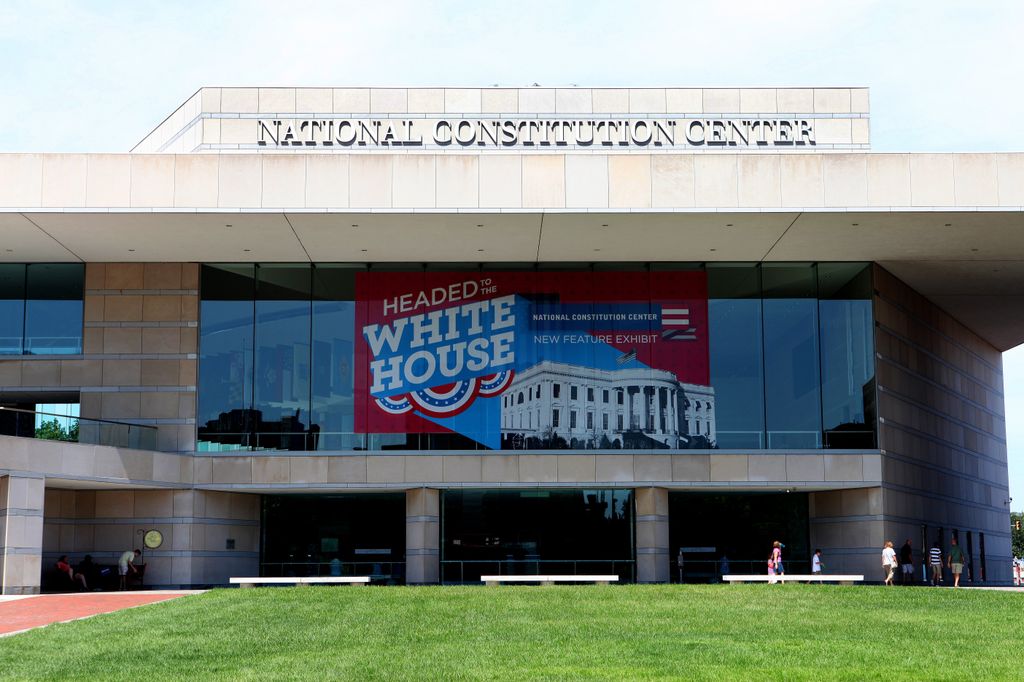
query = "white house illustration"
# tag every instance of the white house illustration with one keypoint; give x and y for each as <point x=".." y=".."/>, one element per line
<point x="635" y="407"/>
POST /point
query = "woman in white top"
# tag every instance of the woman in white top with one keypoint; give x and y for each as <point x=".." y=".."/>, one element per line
<point x="889" y="562"/>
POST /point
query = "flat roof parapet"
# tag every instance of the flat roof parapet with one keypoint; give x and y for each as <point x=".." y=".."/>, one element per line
<point x="229" y="119"/>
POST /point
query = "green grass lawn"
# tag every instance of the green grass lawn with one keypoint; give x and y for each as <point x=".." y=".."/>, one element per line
<point x="749" y="632"/>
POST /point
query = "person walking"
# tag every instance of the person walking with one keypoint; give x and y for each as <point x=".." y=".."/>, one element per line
<point x="776" y="558"/>
<point x="935" y="561"/>
<point x="956" y="562"/>
<point x="889" y="562"/>
<point x="817" y="565"/>
<point x="906" y="564"/>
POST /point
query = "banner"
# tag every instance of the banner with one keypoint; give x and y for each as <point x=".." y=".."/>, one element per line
<point x="525" y="359"/>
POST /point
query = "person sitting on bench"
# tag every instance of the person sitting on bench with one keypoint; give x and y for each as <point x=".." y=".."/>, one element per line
<point x="64" y="567"/>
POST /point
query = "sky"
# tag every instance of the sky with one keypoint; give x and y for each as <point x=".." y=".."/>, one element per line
<point x="98" y="76"/>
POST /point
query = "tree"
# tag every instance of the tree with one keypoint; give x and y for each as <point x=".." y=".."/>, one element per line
<point x="1017" y="533"/>
<point x="52" y="430"/>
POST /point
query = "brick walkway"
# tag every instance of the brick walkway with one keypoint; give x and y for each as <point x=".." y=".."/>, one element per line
<point x="17" y="615"/>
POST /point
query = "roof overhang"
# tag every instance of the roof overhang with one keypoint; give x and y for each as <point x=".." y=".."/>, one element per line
<point x="950" y="225"/>
<point x="969" y="262"/>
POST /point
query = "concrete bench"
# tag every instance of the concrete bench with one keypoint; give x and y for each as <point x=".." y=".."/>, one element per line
<point x="326" y="580"/>
<point x="549" y="579"/>
<point x="795" y="577"/>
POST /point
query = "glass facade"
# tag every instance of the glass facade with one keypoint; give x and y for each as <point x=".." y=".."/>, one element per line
<point x="485" y="532"/>
<point x="718" y="533"/>
<point x="340" y="357"/>
<point x="334" y="535"/>
<point x="41" y="308"/>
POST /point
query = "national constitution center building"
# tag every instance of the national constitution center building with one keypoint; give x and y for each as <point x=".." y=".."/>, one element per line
<point x="427" y="334"/>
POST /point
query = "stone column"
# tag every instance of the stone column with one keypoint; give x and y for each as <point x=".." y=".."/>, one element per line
<point x="632" y="398"/>
<point x="849" y="527"/>
<point x="21" y="534"/>
<point x="422" y="536"/>
<point x="648" y="409"/>
<point x="652" y="550"/>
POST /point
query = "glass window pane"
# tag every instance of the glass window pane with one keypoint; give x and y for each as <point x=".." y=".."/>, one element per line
<point x="792" y="375"/>
<point x="227" y="282"/>
<point x="734" y="280"/>
<point x="792" y="388"/>
<point x="53" y="309"/>
<point x="333" y="407"/>
<point x="735" y="348"/>
<point x="847" y="355"/>
<point x="225" y="374"/>
<point x="737" y="371"/>
<point x="282" y="349"/>
<point x="12" y="308"/>
<point x="281" y="387"/>
<point x="283" y="282"/>
<point x="334" y="535"/>
<point x="55" y="281"/>
<point x="538" y="531"/>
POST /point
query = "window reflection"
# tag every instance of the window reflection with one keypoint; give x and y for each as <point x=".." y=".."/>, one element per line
<point x="536" y="531"/>
<point x="847" y="355"/>
<point x="737" y="360"/>
<point x="226" y="322"/>
<point x="12" y="308"/>
<point x="41" y="308"/>
<point x="791" y="362"/>
<point x="332" y="404"/>
<point x="792" y="388"/>
<point x="334" y="535"/>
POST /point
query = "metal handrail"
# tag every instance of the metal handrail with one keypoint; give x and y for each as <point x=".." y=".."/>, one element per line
<point x="629" y="565"/>
<point x="77" y="418"/>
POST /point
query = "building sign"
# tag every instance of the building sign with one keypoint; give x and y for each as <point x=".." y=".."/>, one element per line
<point x="516" y="360"/>
<point x="362" y="133"/>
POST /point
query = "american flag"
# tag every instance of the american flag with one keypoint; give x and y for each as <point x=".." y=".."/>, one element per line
<point x="626" y="357"/>
<point x="675" y="325"/>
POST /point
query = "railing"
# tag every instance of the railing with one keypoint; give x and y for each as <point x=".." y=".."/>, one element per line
<point x="795" y="440"/>
<point x="78" y="429"/>
<point x="339" y="441"/>
<point x="40" y="345"/>
<point x="470" y="570"/>
<point x="53" y="345"/>
<point x="390" y="572"/>
<point x="712" y="570"/>
<point x="850" y="440"/>
<point x="740" y="440"/>
<point x="274" y="441"/>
